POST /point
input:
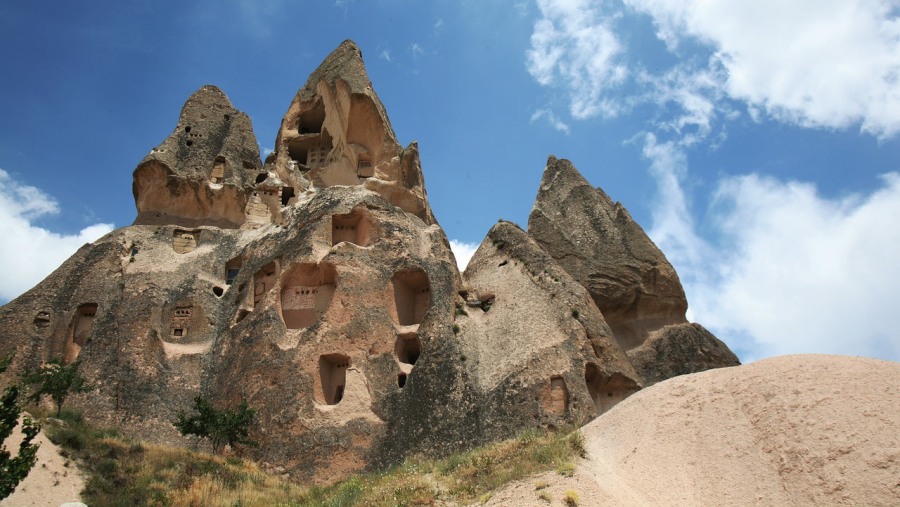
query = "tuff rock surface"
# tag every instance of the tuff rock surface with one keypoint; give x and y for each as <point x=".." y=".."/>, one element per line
<point x="597" y="242"/>
<point x="319" y="287"/>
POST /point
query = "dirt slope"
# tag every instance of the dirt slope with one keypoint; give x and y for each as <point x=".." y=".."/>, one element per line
<point x="792" y="430"/>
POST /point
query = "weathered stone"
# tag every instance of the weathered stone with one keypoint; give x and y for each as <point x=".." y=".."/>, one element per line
<point x="336" y="132"/>
<point x="534" y="350"/>
<point x="599" y="244"/>
<point x="680" y="349"/>
<point x="320" y="289"/>
<point x="203" y="173"/>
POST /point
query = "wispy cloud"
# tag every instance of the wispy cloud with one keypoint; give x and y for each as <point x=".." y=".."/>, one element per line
<point x="416" y="50"/>
<point x="550" y="117"/>
<point x="30" y="252"/>
<point x="573" y="46"/>
<point x="385" y="55"/>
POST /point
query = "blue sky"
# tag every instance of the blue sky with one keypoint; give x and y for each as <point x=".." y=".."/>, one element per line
<point x="756" y="141"/>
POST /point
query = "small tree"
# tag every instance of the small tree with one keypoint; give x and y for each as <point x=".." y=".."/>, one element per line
<point x="57" y="381"/>
<point x="13" y="470"/>
<point x="229" y="426"/>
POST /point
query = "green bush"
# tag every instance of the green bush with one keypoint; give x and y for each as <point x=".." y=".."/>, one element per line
<point x="220" y="426"/>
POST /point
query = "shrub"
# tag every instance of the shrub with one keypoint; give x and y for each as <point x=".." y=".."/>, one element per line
<point x="220" y="426"/>
<point x="13" y="470"/>
<point x="57" y="381"/>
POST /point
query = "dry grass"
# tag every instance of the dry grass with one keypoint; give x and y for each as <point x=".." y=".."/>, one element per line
<point x="122" y="472"/>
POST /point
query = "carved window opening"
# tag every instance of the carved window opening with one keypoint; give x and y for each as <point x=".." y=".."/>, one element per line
<point x="353" y="228"/>
<point x="311" y="121"/>
<point x="307" y="290"/>
<point x="408" y="348"/>
<point x="184" y="241"/>
<point x="79" y="331"/>
<point x="310" y="152"/>
<point x="607" y="391"/>
<point x="232" y="268"/>
<point x="332" y="378"/>
<point x="364" y="166"/>
<point x="401" y="380"/>
<point x="181" y="322"/>
<point x="286" y="194"/>
<point x="218" y="171"/>
<point x="264" y="280"/>
<point x="555" y="400"/>
<point x="42" y="319"/>
<point x="412" y="296"/>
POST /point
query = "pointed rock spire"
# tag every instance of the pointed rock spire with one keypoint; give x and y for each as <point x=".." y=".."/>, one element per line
<point x="203" y="173"/>
<point x="599" y="244"/>
<point x="336" y="132"/>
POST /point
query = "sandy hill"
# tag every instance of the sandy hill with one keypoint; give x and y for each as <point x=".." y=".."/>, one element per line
<point x="792" y="430"/>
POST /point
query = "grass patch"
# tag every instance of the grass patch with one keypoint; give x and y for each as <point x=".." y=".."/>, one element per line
<point x="125" y="472"/>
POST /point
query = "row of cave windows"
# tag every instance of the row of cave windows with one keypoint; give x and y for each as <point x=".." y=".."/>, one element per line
<point x="348" y="228"/>
<point x="605" y="391"/>
<point x="333" y="368"/>
<point x="306" y="297"/>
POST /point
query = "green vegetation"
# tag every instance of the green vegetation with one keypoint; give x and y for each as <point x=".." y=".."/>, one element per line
<point x="13" y="470"/>
<point x="461" y="309"/>
<point x="123" y="472"/>
<point x="57" y="381"/>
<point x="222" y="427"/>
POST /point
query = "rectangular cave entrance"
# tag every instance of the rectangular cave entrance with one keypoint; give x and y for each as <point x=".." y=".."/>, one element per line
<point x="412" y="296"/>
<point x="307" y="290"/>
<point x="354" y="227"/>
<point x="332" y="377"/>
<point x="364" y="167"/>
<point x="184" y="241"/>
<point x="232" y="268"/>
<point x="310" y="151"/>
<point x="79" y="331"/>
<point x="607" y="390"/>
<point x="181" y="322"/>
<point x="555" y="399"/>
<point x="217" y="175"/>
<point x="408" y="348"/>
<point x="264" y="280"/>
<point x="311" y="120"/>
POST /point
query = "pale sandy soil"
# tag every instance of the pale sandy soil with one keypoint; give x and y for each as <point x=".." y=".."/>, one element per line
<point x="792" y="430"/>
<point x="54" y="480"/>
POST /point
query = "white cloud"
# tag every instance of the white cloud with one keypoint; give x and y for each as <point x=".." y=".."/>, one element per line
<point x="463" y="252"/>
<point x="385" y="55"/>
<point x="796" y="272"/>
<point x="573" y="46"/>
<point x="551" y="118"/>
<point x="814" y="63"/>
<point x="29" y="252"/>
<point x="416" y="50"/>
<point x="822" y="63"/>
<point x="673" y="227"/>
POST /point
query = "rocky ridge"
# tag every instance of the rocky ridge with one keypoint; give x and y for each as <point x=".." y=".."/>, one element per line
<point x="318" y="286"/>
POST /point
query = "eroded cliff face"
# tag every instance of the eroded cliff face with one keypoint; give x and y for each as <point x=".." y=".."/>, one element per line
<point x="203" y="173"/>
<point x="319" y="287"/>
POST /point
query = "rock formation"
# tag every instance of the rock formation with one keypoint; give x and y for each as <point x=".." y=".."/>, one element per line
<point x="596" y="241"/>
<point x="319" y="287"/>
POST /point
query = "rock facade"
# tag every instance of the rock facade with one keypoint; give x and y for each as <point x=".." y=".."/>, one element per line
<point x="318" y="286"/>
